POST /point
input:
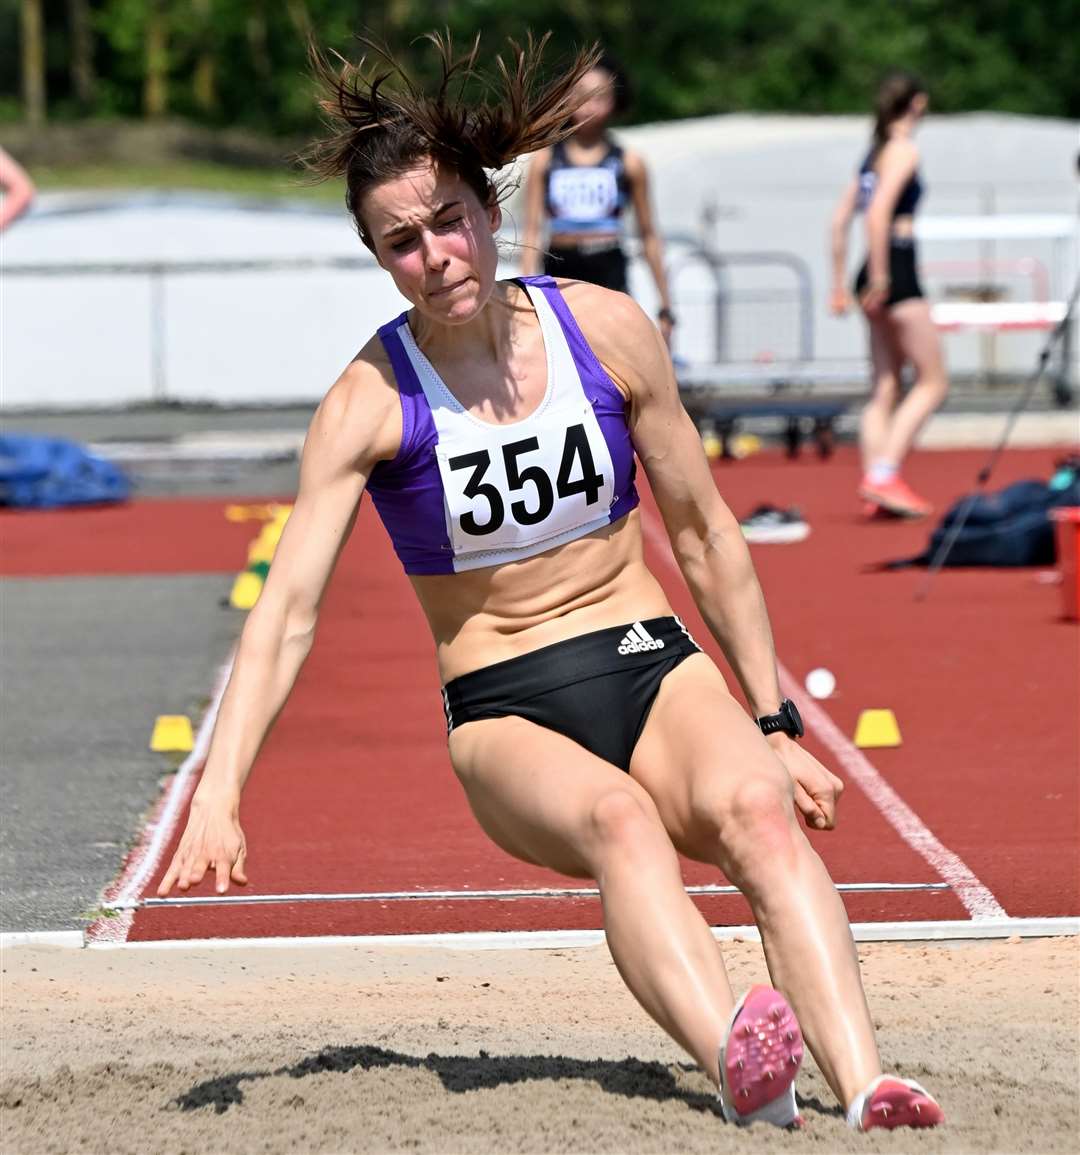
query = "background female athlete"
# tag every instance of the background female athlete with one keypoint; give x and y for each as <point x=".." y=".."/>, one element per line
<point x="887" y="188"/>
<point x="493" y="425"/>
<point x="581" y="185"/>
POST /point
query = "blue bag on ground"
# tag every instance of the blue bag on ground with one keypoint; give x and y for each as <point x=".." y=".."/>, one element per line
<point x="1009" y="528"/>
<point x="51" y="473"/>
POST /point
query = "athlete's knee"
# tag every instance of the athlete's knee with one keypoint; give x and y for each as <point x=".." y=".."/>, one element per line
<point x="936" y="384"/>
<point x="623" y="822"/>
<point x="753" y="825"/>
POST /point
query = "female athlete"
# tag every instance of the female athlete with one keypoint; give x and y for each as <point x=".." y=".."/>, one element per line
<point x="888" y="189"/>
<point x="495" y="425"/>
<point x="582" y="184"/>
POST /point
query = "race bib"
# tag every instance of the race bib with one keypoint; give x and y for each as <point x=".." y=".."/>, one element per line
<point x="506" y="491"/>
<point x="584" y="194"/>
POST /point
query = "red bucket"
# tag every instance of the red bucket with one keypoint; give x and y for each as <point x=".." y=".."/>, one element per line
<point x="1067" y="530"/>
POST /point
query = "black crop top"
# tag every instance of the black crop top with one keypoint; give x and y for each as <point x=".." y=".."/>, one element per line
<point x="906" y="202"/>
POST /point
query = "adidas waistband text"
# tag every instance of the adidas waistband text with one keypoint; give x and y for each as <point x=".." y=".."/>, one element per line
<point x="638" y="640"/>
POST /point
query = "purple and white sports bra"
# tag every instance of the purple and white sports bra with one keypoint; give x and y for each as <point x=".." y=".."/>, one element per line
<point x="462" y="494"/>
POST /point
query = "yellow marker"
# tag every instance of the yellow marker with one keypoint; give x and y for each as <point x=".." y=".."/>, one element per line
<point x="272" y="531"/>
<point x="745" y="445"/>
<point x="245" y="591"/>
<point x="172" y="732"/>
<point x="877" y="728"/>
<point x="254" y="512"/>
<point x="261" y="549"/>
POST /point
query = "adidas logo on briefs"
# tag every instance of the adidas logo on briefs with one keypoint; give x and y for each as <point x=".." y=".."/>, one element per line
<point x="638" y="640"/>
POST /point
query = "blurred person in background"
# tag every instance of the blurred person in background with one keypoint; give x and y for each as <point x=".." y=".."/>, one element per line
<point x="582" y="184"/>
<point x="887" y="189"/>
<point x="18" y="189"/>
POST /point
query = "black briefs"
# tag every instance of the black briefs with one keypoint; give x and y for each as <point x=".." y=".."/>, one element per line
<point x="602" y="266"/>
<point x="903" y="275"/>
<point x="597" y="689"/>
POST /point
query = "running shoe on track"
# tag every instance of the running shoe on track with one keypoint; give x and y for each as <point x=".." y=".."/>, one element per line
<point x="891" y="1102"/>
<point x="759" y="1060"/>
<point x="895" y="496"/>
<point x="770" y="525"/>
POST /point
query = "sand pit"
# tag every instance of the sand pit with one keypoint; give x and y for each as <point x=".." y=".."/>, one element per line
<point x="343" y="1049"/>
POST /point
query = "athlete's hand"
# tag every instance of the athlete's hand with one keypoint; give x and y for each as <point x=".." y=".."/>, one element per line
<point x="213" y="841"/>
<point x="817" y="790"/>
<point x="873" y="299"/>
<point x="839" y="301"/>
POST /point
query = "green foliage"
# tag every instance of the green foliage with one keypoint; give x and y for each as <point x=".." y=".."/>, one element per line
<point x="685" y="57"/>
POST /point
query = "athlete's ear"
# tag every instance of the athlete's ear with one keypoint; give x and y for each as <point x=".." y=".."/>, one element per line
<point x="495" y="215"/>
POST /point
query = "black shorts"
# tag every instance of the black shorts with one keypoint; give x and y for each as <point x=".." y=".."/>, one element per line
<point x="597" y="689"/>
<point x="604" y="266"/>
<point x="903" y="274"/>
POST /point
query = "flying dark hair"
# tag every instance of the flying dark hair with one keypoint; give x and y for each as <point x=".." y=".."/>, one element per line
<point x="381" y="123"/>
<point x="894" y="96"/>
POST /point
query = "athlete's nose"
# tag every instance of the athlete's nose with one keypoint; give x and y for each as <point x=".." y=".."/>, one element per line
<point x="435" y="259"/>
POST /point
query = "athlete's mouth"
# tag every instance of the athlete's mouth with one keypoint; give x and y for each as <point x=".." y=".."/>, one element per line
<point x="448" y="288"/>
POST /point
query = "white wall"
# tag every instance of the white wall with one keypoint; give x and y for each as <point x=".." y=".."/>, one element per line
<point x="270" y="337"/>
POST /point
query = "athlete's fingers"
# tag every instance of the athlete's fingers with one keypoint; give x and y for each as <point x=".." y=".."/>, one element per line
<point x="239" y="874"/>
<point x="827" y="806"/>
<point x="194" y="872"/>
<point x="221" y="870"/>
<point x="171" y="874"/>
<point x="808" y="808"/>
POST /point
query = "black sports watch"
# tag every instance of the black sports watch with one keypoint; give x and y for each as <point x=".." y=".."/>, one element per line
<point x="786" y="719"/>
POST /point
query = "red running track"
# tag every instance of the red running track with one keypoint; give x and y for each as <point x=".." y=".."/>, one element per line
<point x="353" y="791"/>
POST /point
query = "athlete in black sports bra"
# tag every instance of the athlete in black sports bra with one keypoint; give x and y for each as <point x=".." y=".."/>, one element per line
<point x="582" y="185"/>
<point x="888" y="189"/>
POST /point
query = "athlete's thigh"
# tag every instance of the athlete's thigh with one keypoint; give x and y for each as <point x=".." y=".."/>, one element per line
<point x="534" y="791"/>
<point x="885" y="359"/>
<point x="699" y="749"/>
<point x="917" y="337"/>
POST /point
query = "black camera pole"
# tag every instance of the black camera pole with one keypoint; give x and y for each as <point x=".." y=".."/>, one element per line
<point x="1056" y="334"/>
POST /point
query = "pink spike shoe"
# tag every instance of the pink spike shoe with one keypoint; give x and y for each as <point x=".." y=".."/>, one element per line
<point x="892" y="1102"/>
<point x="759" y="1060"/>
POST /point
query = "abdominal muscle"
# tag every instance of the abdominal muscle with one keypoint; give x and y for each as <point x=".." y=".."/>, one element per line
<point x="485" y="616"/>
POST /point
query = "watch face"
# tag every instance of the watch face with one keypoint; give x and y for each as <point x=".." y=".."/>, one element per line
<point x="793" y="716"/>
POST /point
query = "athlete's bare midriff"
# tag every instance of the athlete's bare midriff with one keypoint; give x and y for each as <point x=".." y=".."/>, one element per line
<point x="583" y="240"/>
<point x="485" y="616"/>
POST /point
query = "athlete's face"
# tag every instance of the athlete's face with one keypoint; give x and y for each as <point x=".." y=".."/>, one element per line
<point x="436" y="239"/>
<point x="598" y="88"/>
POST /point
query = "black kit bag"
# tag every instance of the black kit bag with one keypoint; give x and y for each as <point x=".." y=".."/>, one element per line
<point x="1009" y="528"/>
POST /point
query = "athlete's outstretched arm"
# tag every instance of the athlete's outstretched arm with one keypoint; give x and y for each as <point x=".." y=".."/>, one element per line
<point x="705" y="536"/>
<point x="838" y="244"/>
<point x="357" y="424"/>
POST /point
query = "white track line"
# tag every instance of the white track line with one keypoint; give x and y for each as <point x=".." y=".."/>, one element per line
<point x="936" y="931"/>
<point x="466" y="895"/>
<point x="123" y="895"/>
<point x="977" y="899"/>
<point x="122" y="898"/>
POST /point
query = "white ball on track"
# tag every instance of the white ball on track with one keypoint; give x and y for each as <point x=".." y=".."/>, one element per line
<point x="820" y="683"/>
